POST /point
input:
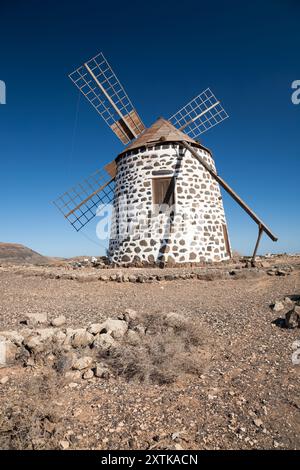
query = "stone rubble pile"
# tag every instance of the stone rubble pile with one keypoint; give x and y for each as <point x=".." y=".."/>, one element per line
<point x="74" y="352"/>
<point x="289" y="307"/>
<point x="283" y="270"/>
<point x="94" y="262"/>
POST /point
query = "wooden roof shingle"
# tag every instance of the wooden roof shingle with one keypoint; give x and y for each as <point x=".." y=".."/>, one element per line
<point x="160" y="130"/>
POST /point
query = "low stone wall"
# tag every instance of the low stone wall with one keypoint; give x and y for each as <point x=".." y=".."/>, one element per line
<point x="145" y="347"/>
<point x="74" y="352"/>
<point x="158" y="275"/>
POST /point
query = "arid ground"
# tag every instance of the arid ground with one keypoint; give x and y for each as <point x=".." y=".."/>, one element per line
<point x="220" y="377"/>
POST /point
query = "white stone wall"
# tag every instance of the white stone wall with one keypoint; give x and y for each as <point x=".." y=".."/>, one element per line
<point x="196" y="233"/>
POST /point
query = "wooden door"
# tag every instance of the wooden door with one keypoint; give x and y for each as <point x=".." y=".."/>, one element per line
<point x="163" y="191"/>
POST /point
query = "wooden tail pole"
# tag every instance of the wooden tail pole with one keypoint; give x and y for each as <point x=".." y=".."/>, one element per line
<point x="233" y="194"/>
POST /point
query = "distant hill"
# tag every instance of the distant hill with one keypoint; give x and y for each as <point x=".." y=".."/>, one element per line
<point x="13" y="253"/>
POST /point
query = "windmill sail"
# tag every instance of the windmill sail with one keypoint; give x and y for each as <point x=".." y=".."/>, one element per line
<point x="199" y="115"/>
<point x="80" y="204"/>
<point x="99" y="84"/>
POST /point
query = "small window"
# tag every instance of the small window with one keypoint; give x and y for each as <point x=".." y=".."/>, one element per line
<point x="163" y="191"/>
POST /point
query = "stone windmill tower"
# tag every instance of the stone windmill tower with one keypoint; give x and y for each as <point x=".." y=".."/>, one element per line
<point x="163" y="188"/>
<point x="179" y="203"/>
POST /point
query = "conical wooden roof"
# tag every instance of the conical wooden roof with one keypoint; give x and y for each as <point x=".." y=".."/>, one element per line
<point x="160" y="130"/>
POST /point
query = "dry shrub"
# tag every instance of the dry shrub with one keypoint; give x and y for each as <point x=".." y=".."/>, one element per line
<point x="30" y="421"/>
<point x="171" y="346"/>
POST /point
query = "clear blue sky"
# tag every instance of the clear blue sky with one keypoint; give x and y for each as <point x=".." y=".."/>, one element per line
<point x="164" y="53"/>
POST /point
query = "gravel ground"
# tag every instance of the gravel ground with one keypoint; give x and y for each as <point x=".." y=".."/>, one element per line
<point x="247" y="395"/>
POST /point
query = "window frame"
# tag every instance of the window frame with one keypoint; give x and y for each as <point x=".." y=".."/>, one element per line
<point x="170" y="177"/>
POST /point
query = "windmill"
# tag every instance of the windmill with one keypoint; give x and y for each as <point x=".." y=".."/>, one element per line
<point x="163" y="187"/>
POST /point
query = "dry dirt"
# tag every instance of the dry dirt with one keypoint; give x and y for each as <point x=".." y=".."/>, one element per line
<point x="243" y="394"/>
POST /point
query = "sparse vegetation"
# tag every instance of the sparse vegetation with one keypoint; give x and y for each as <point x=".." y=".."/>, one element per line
<point x="169" y="348"/>
<point x="217" y="373"/>
<point x="31" y="422"/>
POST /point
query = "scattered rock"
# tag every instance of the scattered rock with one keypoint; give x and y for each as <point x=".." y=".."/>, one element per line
<point x="45" y="334"/>
<point x="34" y="343"/>
<point x="83" y="363"/>
<point x="59" y="337"/>
<point x="258" y="422"/>
<point x="278" y="306"/>
<point x="73" y="375"/>
<point x="95" y="328"/>
<point x="58" y="321"/>
<point x="82" y="338"/>
<point x="13" y="336"/>
<point x="288" y="301"/>
<point x="264" y="264"/>
<point x="4" y="380"/>
<point x="271" y="272"/>
<point x="140" y="329"/>
<point x="129" y="315"/>
<point x="64" y="445"/>
<point x="115" y="328"/>
<point x="104" y="342"/>
<point x="34" y="319"/>
<point x="101" y="371"/>
<point x="178" y="447"/>
<point x="132" y="337"/>
<point x="8" y="352"/>
<point x="73" y="384"/>
<point x="282" y="272"/>
<point x="292" y="318"/>
<point x="39" y="340"/>
<point x="88" y="374"/>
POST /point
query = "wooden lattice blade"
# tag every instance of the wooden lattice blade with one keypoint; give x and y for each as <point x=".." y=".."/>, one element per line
<point x="100" y="86"/>
<point x="81" y="203"/>
<point x="199" y="115"/>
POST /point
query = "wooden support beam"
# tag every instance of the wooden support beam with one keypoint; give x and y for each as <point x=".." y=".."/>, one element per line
<point x="230" y="191"/>
<point x="260" y="231"/>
